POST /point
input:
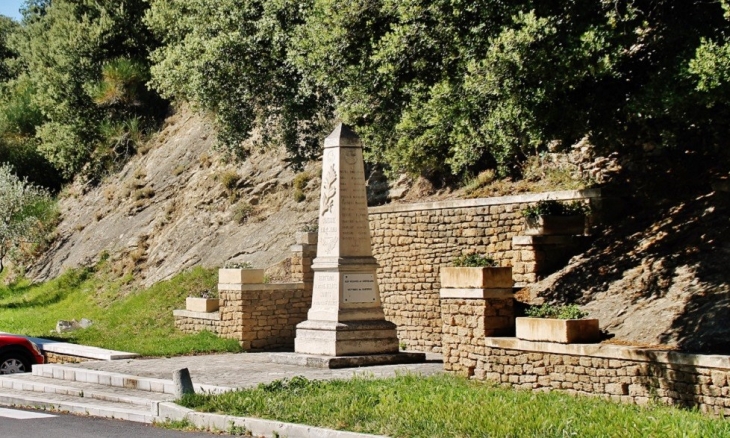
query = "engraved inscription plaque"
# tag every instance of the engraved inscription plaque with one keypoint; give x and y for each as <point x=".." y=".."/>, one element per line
<point x="358" y="288"/>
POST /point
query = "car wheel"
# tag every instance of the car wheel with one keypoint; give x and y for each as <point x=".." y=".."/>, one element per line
<point x="11" y="363"/>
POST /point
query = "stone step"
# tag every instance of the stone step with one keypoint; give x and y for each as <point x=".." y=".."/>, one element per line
<point x="77" y="405"/>
<point x="70" y="373"/>
<point x="37" y="384"/>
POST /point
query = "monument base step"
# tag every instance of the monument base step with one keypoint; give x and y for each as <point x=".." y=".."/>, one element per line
<point x="332" y="362"/>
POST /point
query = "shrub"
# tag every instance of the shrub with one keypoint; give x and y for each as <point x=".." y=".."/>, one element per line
<point x="571" y="311"/>
<point x="552" y="207"/>
<point x="229" y="180"/>
<point x="26" y="212"/>
<point x="242" y="212"/>
<point x="237" y="265"/>
<point x="474" y="261"/>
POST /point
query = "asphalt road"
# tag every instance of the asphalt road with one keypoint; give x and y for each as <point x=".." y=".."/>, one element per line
<point x="16" y="423"/>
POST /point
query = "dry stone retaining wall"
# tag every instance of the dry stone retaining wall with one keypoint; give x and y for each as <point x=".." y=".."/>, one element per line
<point x="195" y="322"/>
<point x="263" y="316"/>
<point x="412" y="241"/>
<point x="614" y="372"/>
<point x="621" y="373"/>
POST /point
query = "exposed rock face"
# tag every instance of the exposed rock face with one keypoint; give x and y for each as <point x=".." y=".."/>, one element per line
<point x="181" y="205"/>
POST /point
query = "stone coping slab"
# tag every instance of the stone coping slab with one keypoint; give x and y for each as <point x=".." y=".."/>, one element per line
<point x="484" y="294"/>
<point x="608" y="351"/>
<point x="333" y="362"/>
<point x="545" y="240"/>
<point x="213" y="316"/>
<point x="260" y="287"/>
<point x="51" y="346"/>
<point x="565" y="195"/>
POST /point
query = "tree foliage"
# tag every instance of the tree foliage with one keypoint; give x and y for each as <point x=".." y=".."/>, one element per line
<point x="487" y="82"/>
<point x="68" y="50"/>
<point x="230" y="57"/>
<point x="25" y="209"/>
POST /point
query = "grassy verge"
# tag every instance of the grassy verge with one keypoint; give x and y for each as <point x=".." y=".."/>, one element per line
<point x="139" y="321"/>
<point x="448" y="406"/>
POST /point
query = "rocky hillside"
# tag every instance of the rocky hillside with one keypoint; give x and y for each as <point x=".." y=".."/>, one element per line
<point x="659" y="274"/>
<point x="182" y="204"/>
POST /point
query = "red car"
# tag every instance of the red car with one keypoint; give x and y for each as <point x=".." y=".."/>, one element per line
<point x="18" y="355"/>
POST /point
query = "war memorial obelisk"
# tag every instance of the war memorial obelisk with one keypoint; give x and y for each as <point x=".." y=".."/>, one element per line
<point x="346" y="317"/>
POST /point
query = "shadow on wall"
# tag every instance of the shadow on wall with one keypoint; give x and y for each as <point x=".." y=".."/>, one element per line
<point x="677" y="235"/>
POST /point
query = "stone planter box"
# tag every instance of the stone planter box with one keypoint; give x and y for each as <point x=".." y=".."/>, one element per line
<point x="563" y="331"/>
<point x="479" y="278"/>
<point x="240" y="276"/>
<point x="555" y="225"/>
<point x="205" y="305"/>
<point x="306" y="238"/>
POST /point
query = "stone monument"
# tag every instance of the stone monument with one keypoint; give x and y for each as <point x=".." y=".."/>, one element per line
<point x="346" y="317"/>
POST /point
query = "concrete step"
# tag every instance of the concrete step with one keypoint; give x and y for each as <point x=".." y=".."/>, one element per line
<point x="31" y="383"/>
<point x="78" y="405"/>
<point x="70" y="373"/>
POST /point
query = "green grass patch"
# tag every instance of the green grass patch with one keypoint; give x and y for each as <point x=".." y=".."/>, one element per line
<point x="449" y="406"/>
<point x="124" y="318"/>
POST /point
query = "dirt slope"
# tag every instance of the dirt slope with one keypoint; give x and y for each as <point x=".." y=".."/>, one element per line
<point x="169" y="209"/>
<point x="661" y="273"/>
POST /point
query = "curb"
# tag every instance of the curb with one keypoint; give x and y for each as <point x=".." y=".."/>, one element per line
<point x="255" y="426"/>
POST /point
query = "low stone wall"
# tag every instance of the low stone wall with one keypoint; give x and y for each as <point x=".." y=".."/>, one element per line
<point x="263" y="316"/>
<point x="620" y="373"/>
<point x="412" y="241"/>
<point x="63" y="358"/>
<point x="195" y="322"/>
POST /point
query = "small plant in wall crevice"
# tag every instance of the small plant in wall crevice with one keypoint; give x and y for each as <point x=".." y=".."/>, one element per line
<point x="474" y="261"/>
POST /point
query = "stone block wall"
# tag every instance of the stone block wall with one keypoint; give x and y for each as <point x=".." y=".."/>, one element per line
<point x="619" y="373"/>
<point x="412" y="241"/>
<point x="263" y="316"/>
<point x="63" y="358"/>
<point x="195" y="322"/>
<point x="466" y="322"/>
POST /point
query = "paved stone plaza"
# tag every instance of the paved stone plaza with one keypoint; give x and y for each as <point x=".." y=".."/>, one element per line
<point x="248" y="369"/>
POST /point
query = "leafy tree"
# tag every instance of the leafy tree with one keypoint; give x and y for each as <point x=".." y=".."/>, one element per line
<point x="24" y="211"/>
<point x="450" y="87"/>
<point x="68" y="50"/>
<point x="230" y="57"/>
<point x="7" y="26"/>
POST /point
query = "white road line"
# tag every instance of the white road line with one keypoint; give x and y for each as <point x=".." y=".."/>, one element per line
<point x="22" y="415"/>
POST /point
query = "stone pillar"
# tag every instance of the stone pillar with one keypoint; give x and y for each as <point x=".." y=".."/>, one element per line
<point x="303" y="254"/>
<point x="346" y="317"/>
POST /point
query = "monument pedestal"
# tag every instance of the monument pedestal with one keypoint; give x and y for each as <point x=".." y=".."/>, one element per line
<point x="346" y="338"/>
<point x="346" y="325"/>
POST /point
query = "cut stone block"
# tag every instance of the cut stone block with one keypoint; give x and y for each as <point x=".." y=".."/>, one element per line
<point x="555" y="225"/>
<point x="306" y="238"/>
<point x="202" y="304"/>
<point x="564" y="331"/>
<point x="240" y="276"/>
<point x="483" y="278"/>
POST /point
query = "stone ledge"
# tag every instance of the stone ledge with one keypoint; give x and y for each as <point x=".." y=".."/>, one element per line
<point x="238" y="287"/>
<point x="83" y="351"/>
<point x="544" y="240"/>
<point x="333" y="362"/>
<point x="607" y="351"/>
<point x="213" y="316"/>
<point x="565" y="195"/>
<point x="476" y="293"/>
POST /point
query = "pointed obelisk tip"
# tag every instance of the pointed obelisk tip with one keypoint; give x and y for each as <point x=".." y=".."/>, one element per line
<point x="343" y="135"/>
